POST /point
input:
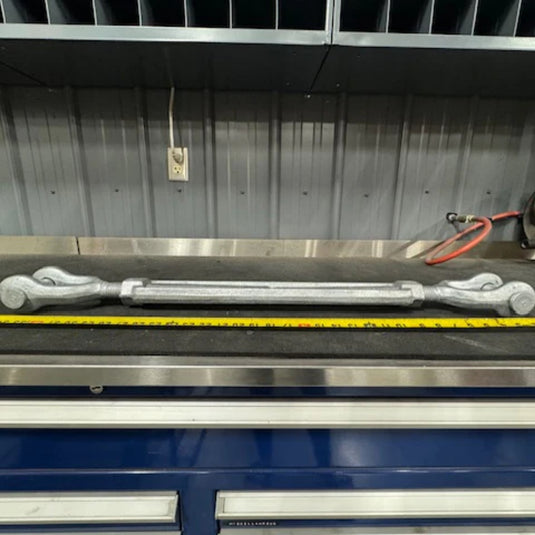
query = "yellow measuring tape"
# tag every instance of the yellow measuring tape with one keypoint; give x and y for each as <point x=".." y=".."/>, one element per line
<point x="271" y="323"/>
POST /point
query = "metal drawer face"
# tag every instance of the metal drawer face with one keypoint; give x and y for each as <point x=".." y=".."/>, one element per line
<point x="95" y="508"/>
<point x="233" y="507"/>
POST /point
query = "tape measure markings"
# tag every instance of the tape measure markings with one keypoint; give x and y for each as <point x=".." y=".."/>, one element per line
<point x="270" y="322"/>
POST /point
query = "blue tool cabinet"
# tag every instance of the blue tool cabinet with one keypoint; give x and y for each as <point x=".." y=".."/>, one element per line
<point x="197" y="463"/>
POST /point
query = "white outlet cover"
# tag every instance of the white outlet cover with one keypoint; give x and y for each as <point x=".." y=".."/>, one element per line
<point x="177" y="170"/>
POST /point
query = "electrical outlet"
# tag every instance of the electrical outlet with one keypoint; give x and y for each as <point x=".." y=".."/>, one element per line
<point x="177" y="163"/>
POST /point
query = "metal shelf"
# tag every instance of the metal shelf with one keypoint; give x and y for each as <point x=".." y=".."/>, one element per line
<point x="491" y="18"/>
<point x="306" y="15"/>
<point x="508" y="18"/>
<point x="435" y="47"/>
<point x="265" y="44"/>
<point x="388" y="46"/>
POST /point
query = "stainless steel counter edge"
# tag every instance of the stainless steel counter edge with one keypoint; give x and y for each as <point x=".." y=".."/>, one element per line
<point x="395" y="249"/>
<point x="228" y="371"/>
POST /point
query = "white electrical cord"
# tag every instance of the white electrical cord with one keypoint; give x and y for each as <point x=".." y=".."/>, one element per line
<point x="171" y="112"/>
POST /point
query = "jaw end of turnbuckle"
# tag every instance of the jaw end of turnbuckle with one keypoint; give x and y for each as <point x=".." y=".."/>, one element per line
<point x="60" y="277"/>
<point x="13" y="293"/>
<point x="481" y="281"/>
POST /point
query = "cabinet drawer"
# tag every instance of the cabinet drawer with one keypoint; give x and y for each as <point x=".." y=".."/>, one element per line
<point x="94" y="508"/>
<point x="235" y="507"/>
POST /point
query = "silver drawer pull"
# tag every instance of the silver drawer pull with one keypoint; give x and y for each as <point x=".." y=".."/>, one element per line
<point x="266" y="414"/>
<point x="88" y="508"/>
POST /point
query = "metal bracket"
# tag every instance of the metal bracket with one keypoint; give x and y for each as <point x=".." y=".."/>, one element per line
<point x="528" y="223"/>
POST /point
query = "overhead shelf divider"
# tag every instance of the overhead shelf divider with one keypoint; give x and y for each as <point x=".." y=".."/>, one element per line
<point x="117" y="13"/>
<point x="365" y="16"/>
<point x="410" y="16"/>
<point x="260" y="14"/>
<point x="497" y="18"/>
<point x="454" y="17"/>
<point x="25" y="11"/>
<point x="525" y="26"/>
<point x="71" y="12"/>
<point x="303" y="14"/>
<point x="158" y="13"/>
<point x="501" y="18"/>
<point x="208" y="13"/>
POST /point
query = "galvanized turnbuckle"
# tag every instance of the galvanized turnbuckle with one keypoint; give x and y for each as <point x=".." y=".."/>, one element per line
<point x="54" y="286"/>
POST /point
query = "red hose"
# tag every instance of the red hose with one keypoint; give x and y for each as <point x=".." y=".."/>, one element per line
<point x="484" y="222"/>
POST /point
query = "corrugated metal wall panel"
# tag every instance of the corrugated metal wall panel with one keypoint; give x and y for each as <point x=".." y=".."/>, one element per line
<point x="262" y="165"/>
<point x="242" y="141"/>
<point x="432" y="174"/>
<point x="14" y="213"/>
<point x="500" y="155"/>
<point x="307" y="152"/>
<point x="45" y="150"/>
<point x="370" y="166"/>
<point x="179" y="209"/>
<point x="112" y="155"/>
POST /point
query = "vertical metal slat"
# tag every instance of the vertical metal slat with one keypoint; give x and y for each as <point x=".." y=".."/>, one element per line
<point x="146" y="185"/>
<point x="94" y="8"/>
<point x="47" y="11"/>
<point x="510" y="23"/>
<point x="275" y="164"/>
<point x="74" y="125"/>
<point x="474" y="17"/>
<point x="14" y="161"/>
<point x="210" y="167"/>
<point x="186" y="14"/>
<point x="338" y="164"/>
<point x="384" y="22"/>
<point x="403" y="151"/>
<point x="140" y="11"/>
<point x="99" y="18"/>
<point x="517" y="19"/>
<point x="432" y="16"/>
<point x="425" y="24"/>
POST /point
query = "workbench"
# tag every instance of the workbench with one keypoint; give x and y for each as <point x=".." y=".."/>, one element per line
<point x="201" y="462"/>
<point x="510" y="344"/>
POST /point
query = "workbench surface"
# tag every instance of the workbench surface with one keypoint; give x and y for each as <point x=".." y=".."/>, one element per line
<point x="499" y="344"/>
